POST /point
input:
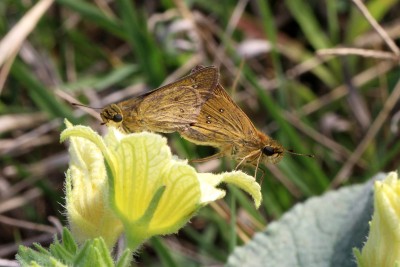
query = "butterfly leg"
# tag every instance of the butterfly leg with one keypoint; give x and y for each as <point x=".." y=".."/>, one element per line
<point x="240" y="163"/>
<point x="244" y="159"/>
<point x="256" y="167"/>
<point x="262" y="176"/>
<point x="255" y="173"/>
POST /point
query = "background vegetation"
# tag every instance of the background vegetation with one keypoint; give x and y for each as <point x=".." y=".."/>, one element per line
<point x="300" y="83"/>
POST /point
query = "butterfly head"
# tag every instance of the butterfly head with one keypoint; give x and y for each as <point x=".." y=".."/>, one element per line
<point x="272" y="152"/>
<point x="112" y="115"/>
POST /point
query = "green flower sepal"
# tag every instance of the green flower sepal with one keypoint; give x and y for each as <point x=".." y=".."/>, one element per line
<point x="149" y="191"/>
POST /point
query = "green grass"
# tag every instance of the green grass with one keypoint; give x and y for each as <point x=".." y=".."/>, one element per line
<point x="90" y="52"/>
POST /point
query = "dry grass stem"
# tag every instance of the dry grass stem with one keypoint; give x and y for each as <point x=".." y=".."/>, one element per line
<point x="358" y="81"/>
<point x="377" y="27"/>
<point x="345" y="51"/>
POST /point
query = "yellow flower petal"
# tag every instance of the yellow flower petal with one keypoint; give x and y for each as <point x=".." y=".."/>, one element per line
<point x="142" y="158"/>
<point x="87" y="207"/>
<point x="145" y="165"/>
<point x="383" y="245"/>
<point x="180" y="200"/>
<point x="238" y="178"/>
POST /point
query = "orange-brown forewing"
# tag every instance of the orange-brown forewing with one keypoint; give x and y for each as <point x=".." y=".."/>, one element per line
<point x="167" y="109"/>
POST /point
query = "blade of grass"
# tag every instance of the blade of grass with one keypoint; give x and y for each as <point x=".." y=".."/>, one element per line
<point x="270" y="30"/>
<point x="296" y="52"/>
<point x="145" y="48"/>
<point x="115" y="77"/>
<point x="44" y="99"/>
<point x="358" y="25"/>
<point x="316" y="36"/>
<point x="206" y="241"/>
<point x="304" y="15"/>
<point x="333" y="22"/>
<point x="272" y="205"/>
<point x="386" y="156"/>
<point x="301" y="177"/>
<point x="164" y="254"/>
<point x="246" y="204"/>
<point x="92" y="13"/>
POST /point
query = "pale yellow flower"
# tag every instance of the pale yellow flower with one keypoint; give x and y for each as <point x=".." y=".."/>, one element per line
<point x="149" y="191"/>
<point x="383" y="245"/>
<point x="89" y="214"/>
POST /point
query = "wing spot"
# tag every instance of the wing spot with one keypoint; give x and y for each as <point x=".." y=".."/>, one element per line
<point x="208" y="122"/>
<point x="221" y="110"/>
<point x="182" y="111"/>
<point x="208" y="117"/>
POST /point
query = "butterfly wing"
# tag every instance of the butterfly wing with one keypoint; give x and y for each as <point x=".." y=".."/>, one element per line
<point x="203" y="80"/>
<point x="221" y="123"/>
<point x="172" y="107"/>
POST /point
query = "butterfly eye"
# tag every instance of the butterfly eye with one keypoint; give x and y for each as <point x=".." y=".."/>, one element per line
<point x="268" y="151"/>
<point x="117" y="118"/>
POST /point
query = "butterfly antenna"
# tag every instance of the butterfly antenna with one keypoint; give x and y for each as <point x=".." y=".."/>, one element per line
<point x="81" y="105"/>
<point x="299" y="154"/>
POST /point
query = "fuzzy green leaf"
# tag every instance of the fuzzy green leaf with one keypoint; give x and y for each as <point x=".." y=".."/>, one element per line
<point x="321" y="232"/>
